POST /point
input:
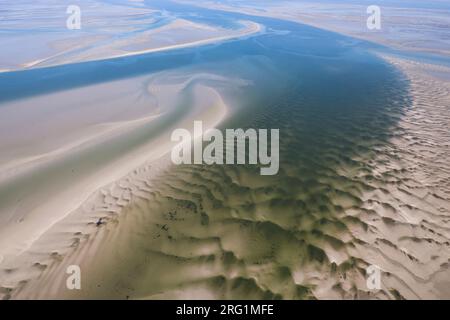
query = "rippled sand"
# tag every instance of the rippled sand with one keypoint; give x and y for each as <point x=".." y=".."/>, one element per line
<point x="364" y="184"/>
<point x="226" y="232"/>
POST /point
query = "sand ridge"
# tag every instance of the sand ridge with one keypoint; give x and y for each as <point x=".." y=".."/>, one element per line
<point x="357" y="196"/>
<point x="416" y="28"/>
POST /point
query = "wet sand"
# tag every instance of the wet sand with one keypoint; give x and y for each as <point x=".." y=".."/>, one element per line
<point x="213" y="233"/>
<point x="40" y="190"/>
<point x="414" y="26"/>
<point x="366" y="183"/>
<point x="108" y="30"/>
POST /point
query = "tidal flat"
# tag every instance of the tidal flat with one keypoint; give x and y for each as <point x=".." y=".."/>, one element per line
<point x="364" y="176"/>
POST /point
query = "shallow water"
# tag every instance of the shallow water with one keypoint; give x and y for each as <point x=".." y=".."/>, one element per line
<point x="231" y="232"/>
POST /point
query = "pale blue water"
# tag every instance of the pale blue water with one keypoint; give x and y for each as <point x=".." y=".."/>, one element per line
<point x="295" y="50"/>
<point x="319" y="86"/>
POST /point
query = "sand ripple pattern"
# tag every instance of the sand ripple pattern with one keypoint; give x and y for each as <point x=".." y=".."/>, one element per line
<point x="353" y="198"/>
